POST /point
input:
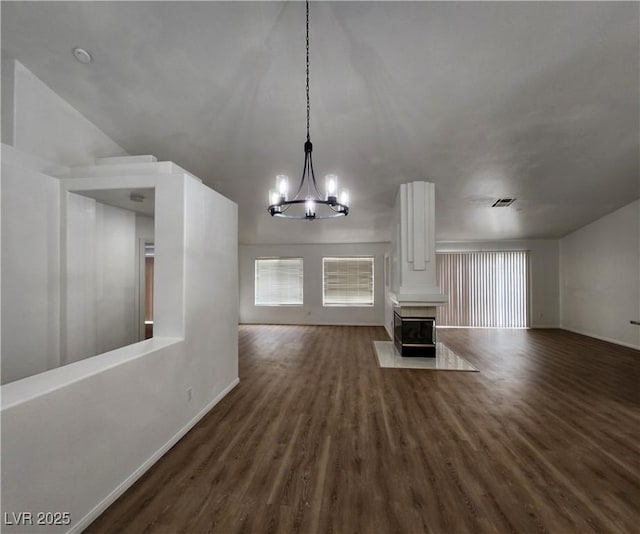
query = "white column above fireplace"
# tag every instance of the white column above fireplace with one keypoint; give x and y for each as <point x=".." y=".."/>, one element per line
<point x="413" y="255"/>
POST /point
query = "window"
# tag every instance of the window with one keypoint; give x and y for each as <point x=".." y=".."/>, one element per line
<point x="347" y="281"/>
<point x="486" y="289"/>
<point x="278" y="282"/>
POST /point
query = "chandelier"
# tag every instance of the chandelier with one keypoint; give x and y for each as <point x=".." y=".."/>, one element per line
<point x="314" y="204"/>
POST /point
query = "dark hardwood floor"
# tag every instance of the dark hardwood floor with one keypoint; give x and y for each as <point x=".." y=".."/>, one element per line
<point x="317" y="438"/>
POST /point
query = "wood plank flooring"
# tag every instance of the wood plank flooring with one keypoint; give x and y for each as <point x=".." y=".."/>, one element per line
<point x="317" y="438"/>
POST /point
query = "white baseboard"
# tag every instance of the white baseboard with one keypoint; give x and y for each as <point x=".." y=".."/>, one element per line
<point x="131" y="479"/>
<point x="542" y="326"/>
<point x="602" y="338"/>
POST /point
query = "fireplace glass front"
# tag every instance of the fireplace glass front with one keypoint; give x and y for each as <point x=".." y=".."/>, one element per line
<point x="415" y="336"/>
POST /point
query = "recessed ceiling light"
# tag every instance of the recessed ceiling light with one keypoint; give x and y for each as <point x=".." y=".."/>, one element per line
<point x="82" y="55"/>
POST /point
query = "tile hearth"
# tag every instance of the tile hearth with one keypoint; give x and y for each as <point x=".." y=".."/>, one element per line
<point x="445" y="359"/>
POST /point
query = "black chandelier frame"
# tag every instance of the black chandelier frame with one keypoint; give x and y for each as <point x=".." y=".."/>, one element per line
<point x="337" y="209"/>
<point x="334" y="208"/>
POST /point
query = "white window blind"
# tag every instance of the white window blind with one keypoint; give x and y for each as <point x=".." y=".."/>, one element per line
<point x="486" y="289"/>
<point x="347" y="281"/>
<point x="278" y="282"/>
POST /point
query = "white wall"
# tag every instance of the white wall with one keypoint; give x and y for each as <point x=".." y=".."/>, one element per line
<point x="312" y="312"/>
<point x="79" y="319"/>
<point x="101" y="278"/>
<point x="544" y="303"/>
<point x="211" y="290"/>
<point x="99" y="262"/>
<point x="600" y="277"/>
<point x="43" y="124"/>
<point x="44" y="135"/>
<point x="144" y="227"/>
<point x="30" y="272"/>
<point x="74" y="438"/>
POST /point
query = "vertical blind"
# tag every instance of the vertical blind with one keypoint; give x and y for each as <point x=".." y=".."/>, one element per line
<point x="278" y="282"/>
<point x="487" y="289"/>
<point x="347" y="281"/>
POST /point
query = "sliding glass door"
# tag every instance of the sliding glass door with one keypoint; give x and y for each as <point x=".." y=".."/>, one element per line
<point x="486" y="289"/>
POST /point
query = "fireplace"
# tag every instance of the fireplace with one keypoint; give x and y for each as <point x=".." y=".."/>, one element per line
<point x="414" y="336"/>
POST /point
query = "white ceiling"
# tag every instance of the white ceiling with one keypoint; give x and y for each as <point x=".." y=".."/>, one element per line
<point x="121" y="198"/>
<point x="539" y="101"/>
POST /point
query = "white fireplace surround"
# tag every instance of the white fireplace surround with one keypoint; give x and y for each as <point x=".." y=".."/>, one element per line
<point x="414" y="255"/>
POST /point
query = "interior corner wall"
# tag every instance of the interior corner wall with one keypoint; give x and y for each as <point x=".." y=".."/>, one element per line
<point x="312" y="312"/>
<point x="30" y="272"/>
<point x="544" y="289"/>
<point x="600" y="277"/>
<point x="47" y="126"/>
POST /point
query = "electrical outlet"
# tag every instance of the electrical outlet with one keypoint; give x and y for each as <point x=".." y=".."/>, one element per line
<point x="189" y="394"/>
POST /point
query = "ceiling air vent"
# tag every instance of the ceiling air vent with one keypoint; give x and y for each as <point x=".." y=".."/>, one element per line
<point x="503" y="202"/>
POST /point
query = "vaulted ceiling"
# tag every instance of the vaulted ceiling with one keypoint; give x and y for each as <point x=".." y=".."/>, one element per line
<point x="538" y="101"/>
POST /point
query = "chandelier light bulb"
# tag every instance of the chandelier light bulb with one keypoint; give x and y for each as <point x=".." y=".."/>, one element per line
<point x="331" y="186"/>
<point x="282" y="185"/>
<point x="344" y="197"/>
<point x="274" y="197"/>
<point x="310" y="208"/>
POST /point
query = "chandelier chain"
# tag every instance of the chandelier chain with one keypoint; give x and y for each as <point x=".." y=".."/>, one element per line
<point x="307" y="88"/>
